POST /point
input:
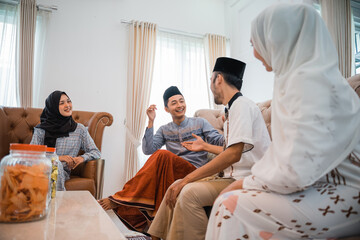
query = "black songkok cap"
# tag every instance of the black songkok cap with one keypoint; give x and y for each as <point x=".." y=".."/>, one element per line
<point x="230" y="66"/>
<point x="171" y="91"/>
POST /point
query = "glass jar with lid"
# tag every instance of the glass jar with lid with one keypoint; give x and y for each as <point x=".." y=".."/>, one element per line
<point x="24" y="183"/>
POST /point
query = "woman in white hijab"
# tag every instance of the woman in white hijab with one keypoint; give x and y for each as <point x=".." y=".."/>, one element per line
<point x="307" y="185"/>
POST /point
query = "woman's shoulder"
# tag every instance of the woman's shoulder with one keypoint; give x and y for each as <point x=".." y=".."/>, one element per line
<point x="80" y="127"/>
<point x="80" y="131"/>
<point x="39" y="131"/>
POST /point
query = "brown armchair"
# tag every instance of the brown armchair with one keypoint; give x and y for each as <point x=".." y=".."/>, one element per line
<point x="17" y="124"/>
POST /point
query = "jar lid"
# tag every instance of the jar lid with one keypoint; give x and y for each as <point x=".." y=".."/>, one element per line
<point x="28" y="147"/>
<point x="50" y="149"/>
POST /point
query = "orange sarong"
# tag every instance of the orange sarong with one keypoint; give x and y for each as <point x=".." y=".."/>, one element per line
<point x="141" y="196"/>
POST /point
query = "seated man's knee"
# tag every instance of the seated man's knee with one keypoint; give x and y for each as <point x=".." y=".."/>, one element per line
<point x="161" y="155"/>
<point x="218" y="200"/>
<point x="162" y="152"/>
<point x="188" y="193"/>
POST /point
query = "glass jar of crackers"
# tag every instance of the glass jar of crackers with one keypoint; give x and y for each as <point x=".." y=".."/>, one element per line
<point x="25" y="191"/>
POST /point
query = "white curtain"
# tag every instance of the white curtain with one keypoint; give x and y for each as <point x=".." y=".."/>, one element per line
<point x="8" y="54"/>
<point x="42" y="20"/>
<point x="142" y="43"/>
<point x="26" y="51"/>
<point x="215" y="46"/>
<point x="337" y="16"/>
<point x="179" y="61"/>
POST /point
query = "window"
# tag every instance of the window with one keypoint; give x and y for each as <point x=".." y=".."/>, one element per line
<point x="317" y="7"/>
<point x="179" y="61"/>
<point x="355" y="6"/>
<point x="42" y="19"/>
<point x="8" y="57"/>
<point x="9" y="24"/>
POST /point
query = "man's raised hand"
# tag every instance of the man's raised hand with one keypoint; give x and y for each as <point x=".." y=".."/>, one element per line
<point x="150" y="111"/>
<point x="195" y="146"/>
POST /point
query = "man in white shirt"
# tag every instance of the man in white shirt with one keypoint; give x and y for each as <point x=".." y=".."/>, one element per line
<point x="181" y="214"/>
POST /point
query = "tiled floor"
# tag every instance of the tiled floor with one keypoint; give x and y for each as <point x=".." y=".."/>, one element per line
<point x="128" y="233"/>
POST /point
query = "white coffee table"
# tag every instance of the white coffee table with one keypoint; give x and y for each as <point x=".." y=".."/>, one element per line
<point x="72" y="215"/>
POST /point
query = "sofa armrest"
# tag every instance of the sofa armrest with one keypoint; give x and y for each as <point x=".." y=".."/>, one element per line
<point x="93" y="169"/>
<point x="88" y="170"/>
<point x="96" y="126"/>
<point x="354" y="82"/>
<point x="265" y="108"/>
<point x="99" y="178"/>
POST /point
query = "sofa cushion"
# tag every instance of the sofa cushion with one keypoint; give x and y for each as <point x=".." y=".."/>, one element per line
<point x="77" y="183"/>
<point x="21" y="122"/>
<point x="214" y="117"/>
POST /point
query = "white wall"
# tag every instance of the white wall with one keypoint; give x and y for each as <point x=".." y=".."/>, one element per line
<point x="86" y="56"/>
<point x="257" y="82"/>
<point x="86" y="51"/>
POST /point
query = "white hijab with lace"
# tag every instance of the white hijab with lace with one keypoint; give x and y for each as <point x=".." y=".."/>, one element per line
<point x="315" y="117"/>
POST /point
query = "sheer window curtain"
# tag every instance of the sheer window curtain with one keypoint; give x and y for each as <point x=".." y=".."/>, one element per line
<point x="8" y="54"/>
<point x="142" y="43"/>
<point x="215" y="46"/>
<point x="179" y="61"/>
<point x="42" y="20"/>
<point x="337" y="16"/>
